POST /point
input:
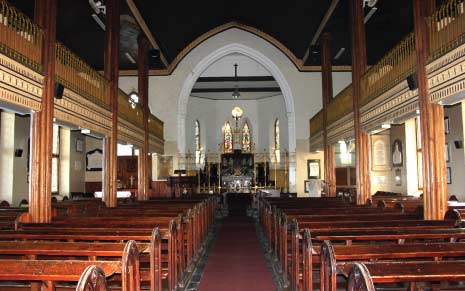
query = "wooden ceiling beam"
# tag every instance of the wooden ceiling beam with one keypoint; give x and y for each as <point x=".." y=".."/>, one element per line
<point x="140" y="20"/>
<point x="322" y="25"/>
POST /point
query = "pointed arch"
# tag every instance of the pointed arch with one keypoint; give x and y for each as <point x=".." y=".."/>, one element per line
<point x="226" y="50"/>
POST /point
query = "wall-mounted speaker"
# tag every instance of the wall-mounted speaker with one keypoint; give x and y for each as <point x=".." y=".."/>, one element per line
<point x="412" y="81"/>
<point x="59" y="89"/>
<point x="18" y="153"/>
<point x="458" y="144"/>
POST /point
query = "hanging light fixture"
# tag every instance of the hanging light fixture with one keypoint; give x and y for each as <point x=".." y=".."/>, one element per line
<point x="236" y="94"/>
<point x="133" y="99"/>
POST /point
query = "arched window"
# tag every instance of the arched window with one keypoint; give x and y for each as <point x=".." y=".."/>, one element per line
<point x="228" y="138"/>
<point x="276" y="134"/>
<point x="197" y="135"/>
<point x="197" y="142"/>
<point x="246" y="138"/>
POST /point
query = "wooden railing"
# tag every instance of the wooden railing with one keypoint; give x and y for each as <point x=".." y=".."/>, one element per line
<point x="155" y="126"/>
<point x="77" y="75"/>
<point x="341" y="105"/>
<point x="127" y="112"/>
<point x="394" y="67"/>
<point x="316" y="123"/>
<point x="20" y="38"/>
<point x="447" y="28"/>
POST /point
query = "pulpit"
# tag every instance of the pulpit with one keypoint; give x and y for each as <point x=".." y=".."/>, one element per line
<point x="180" y="186"/>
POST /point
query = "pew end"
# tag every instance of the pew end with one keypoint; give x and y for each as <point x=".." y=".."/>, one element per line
<point x="454" y="214"/>
<point x="360" y="279"/>
<point x="328" y="268"/>
<point x="93" y="278"/>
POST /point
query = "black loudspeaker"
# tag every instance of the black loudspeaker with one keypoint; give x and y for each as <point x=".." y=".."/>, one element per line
<point x="18" y="153"/>
<point x="412" y="82"/>
<point x="59" y="88"/>
<point x="458" y="144"/>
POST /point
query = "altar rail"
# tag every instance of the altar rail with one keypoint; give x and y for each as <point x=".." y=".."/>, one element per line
<point x="20" y="38"/>
<point x="446" y="32"/>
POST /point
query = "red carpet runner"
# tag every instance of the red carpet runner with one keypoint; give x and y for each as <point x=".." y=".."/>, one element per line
<point x="236" y="261"/>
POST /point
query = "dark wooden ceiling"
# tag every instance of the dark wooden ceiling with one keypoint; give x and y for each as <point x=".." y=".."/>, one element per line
<point x="176" y="24"/>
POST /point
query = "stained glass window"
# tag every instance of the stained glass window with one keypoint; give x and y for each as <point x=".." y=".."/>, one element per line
<point x="197" y="135"/>
<point x="246" y="138"/>
<point x="228" y="138"/>
<point x="276" y="134"/>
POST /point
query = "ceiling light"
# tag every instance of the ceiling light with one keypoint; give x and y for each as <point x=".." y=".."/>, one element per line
<point x="236" y="94"/>
<point x="85" y="131"/>
<point x="386" y="125"/>
<point x="133" y="99"/>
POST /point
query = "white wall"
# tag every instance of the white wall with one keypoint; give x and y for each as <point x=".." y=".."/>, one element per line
<point x="457" y="161"/>
<point x="77" y="164"/>
<point x="225" y="67"/>
<point x="20" y="181"/>
<point x="7" y="144"/>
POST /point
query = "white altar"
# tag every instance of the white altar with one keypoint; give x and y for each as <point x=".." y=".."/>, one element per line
<point x="238" y="184"/>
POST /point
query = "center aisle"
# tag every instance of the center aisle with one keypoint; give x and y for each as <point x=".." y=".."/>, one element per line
<point x="237" y="261"/>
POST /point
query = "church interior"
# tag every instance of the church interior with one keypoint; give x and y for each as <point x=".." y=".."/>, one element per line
<point x="232" y="145"/>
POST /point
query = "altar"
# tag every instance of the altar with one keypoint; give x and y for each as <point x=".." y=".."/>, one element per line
<point x="237" y="171"/>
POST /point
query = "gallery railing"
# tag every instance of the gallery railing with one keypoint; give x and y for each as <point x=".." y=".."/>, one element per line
<point x="132" y="114"/>
<point x="156" y="126"/>
<point x="394" y="67"/>
<point x="20" y="38"/>
<point x="446" y="28"/>
<point x="77" y="75"/>
<point x="316" y="123"/>
<point x="341" y="105"/>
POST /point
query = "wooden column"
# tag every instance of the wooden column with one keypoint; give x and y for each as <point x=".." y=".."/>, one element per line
<point x="111" y="72"/>
<point x="359" y="65"/>
<point x="143" y="88"/>
<point x="327" y="81"/>
<point x="40" y="186"/>
<point x="431" y="122"/>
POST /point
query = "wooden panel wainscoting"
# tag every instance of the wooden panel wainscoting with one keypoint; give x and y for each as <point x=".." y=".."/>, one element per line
<point x="159" y="189"/>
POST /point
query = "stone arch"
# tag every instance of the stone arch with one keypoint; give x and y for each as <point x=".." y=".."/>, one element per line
<point x="234" y="48"/>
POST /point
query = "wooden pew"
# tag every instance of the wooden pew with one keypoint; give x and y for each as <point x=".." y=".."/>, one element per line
<point x="51" y="271"/>
<point x="157" y="242"/>
<point x="92" y="250"/>
<point x="364" y="276"/>
<point x="334" y="258"/>
<point x="92" y="278"/>
<point x="344" y="223"/>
